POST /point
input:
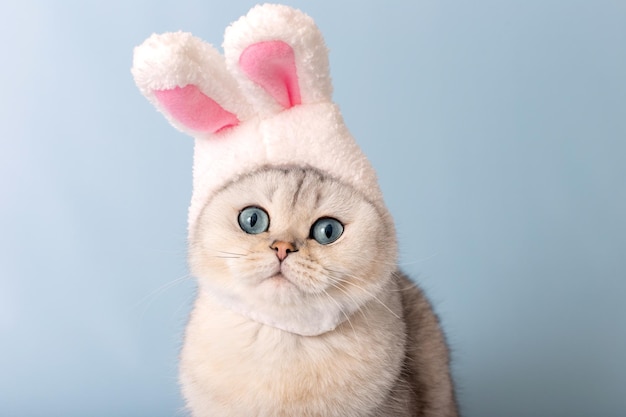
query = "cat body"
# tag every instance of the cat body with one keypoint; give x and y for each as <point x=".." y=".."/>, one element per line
<point x="233" y="366"/>
<point x="386" y="356"/>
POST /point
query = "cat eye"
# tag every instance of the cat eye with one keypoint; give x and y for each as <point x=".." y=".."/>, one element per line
<point x="254" y="220"/>
<point x="326" y="230"/>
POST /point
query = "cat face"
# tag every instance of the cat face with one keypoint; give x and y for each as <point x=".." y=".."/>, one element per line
<point x="291" y="238"/>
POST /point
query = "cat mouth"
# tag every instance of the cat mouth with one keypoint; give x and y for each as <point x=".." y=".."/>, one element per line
<point x="278" y="279"/>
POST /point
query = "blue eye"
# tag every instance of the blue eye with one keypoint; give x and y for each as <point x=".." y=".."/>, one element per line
<point x="254" y="220"/>
<point x="326" y="230"/>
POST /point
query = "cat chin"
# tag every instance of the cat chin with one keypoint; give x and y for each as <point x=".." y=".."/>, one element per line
<point x="278" y="280"/>
<point x="295" y="313"/>
<point x="279" y="302"/>
<point x="278" y="289"/>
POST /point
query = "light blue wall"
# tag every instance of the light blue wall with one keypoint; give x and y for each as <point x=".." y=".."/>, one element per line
<point x="499" y="133"/>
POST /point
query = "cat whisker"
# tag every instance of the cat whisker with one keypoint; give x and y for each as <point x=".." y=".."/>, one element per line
<point x="184" y="304"/>
<point x="347" y="293"/>
<point x="418" y="261"/>
<point x="223" y="252"/>
<point x="342" y="311"/>
<point x="149" y="299"/>
<point x="375" y="298"/>
<point x="344" y="281"/>
<point x="335" y="273"/>
<point x="228" y="255"/>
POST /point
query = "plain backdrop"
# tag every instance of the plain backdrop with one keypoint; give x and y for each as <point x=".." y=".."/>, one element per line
<point x="498" y="129"/>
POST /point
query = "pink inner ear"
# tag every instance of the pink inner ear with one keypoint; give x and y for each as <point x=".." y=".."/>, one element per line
<point x="196" y="111"/>
<point x="272" y="65"/>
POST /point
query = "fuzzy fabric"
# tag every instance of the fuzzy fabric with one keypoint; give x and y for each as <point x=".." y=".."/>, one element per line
<point x="267" y="101"/>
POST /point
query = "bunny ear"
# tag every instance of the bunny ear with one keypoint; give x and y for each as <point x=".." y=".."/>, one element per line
<point x="187" y="80"/>
<point x="272" y="66"/>
<point x="194" y="110"/>
<point x="278" y="56"/>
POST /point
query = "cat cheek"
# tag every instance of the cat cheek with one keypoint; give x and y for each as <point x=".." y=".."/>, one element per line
<point x="256" y="268"/>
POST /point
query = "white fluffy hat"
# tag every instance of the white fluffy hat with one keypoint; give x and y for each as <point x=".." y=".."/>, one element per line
<point x="266" y="101"/>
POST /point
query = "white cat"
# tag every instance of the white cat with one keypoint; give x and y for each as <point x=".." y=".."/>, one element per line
<point x="301" y="310"/>
<point x="290" y="243"/>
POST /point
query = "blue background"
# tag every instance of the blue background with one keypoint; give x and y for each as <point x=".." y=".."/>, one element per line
<point x="499" y="133"/>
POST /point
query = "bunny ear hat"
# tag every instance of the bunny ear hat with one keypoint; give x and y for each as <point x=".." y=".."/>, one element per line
<point x="265" y="102"/>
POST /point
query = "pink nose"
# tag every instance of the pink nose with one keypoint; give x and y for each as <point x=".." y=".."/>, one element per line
<point x="282" y="249"/>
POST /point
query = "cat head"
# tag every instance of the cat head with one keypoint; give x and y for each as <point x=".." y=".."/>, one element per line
<point x="265" y="102"/>
<point x="293" y="248"/>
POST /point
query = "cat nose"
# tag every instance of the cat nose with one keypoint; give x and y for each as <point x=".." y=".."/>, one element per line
<point x="282" y="249"/>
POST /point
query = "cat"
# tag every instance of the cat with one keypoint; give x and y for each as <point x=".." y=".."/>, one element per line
<point x="301" y="309"/>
